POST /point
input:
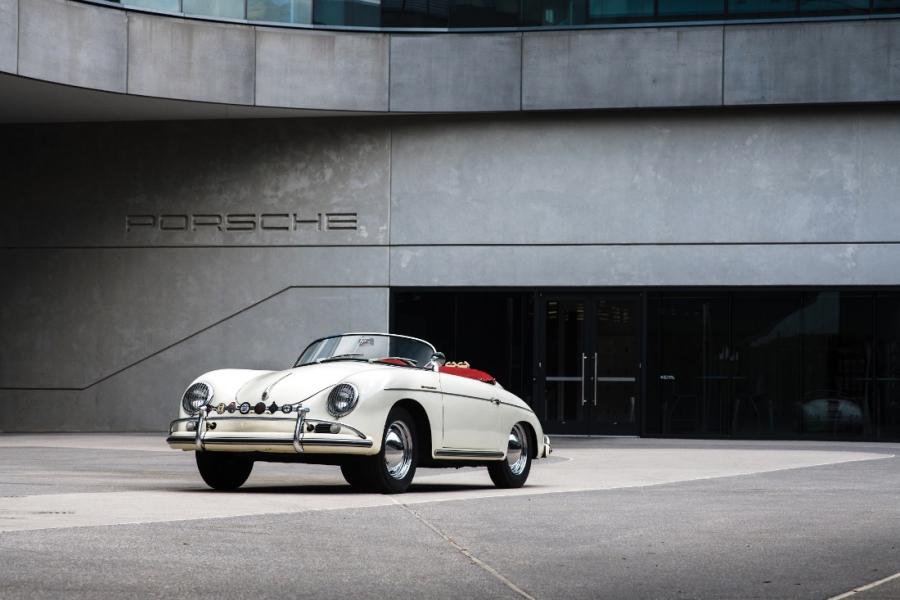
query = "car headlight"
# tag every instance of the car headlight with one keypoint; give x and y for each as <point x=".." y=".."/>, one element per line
<point x="342" y="399"/>
<point x="196" y="397"/>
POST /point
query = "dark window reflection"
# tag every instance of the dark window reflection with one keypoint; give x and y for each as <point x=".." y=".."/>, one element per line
<point x="766" y="359"/>
<point x="887" y="360"/>
<point x="695" y="365"/>
<point x="354" y="13"/>
<point x="837" y="364"/>
<point x="414" y="13"/>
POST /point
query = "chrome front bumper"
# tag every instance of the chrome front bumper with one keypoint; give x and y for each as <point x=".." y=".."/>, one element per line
<point x="269" y="433"/>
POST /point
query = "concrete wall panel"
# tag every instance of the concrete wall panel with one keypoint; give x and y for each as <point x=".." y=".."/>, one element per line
<point x="145" y="397"/>
<point x="460" y="73"/>
<point x="90" y="313"/>
<point x="9" y="35"/>
<point x="317" y="171"/>
<point x="328" y="70"/>
<point x="73" y="43"/>
<point x="653" y="265"/>
<point x="622" y="68"/>
<point x="786" y="176"/>
<point x="812" y="62"/>
<point x="193" y="60"/>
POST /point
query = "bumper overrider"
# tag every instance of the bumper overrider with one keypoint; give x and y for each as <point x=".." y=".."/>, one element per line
<point x="267" y="433"/>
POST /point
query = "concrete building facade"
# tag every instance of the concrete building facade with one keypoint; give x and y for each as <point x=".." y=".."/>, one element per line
<point x="660" y="230"/>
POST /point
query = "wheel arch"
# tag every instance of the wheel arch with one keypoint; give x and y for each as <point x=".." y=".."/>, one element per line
<point x="532" y="439"/>
<point x="423" y="428"/>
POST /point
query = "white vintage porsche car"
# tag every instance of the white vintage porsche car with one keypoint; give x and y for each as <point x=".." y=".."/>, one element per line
<point x="378" y="405"/>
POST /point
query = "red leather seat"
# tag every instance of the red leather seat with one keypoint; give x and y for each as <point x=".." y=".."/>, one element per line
<point x="470" y="373"/>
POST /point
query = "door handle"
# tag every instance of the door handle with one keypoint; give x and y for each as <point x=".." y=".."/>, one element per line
<point x="496" y="401"/>
<point x="595" y="379"/>
<point x="583" y="382"/>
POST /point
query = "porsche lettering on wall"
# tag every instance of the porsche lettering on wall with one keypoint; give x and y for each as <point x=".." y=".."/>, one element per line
<point x="296" y="221"/>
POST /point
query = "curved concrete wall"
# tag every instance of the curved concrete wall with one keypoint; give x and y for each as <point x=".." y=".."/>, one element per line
<point x="152" y="55"/>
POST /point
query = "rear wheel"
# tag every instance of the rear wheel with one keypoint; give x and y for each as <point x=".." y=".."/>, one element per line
<point x="223" y="470"/>
<point x="513" y="472"/>
<point x="392" y="469"/>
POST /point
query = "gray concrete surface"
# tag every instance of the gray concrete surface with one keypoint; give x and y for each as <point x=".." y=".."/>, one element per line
<point x="456" y="73"/>
<point x="815" y="62"/>
<point x="243" y="65"/>
<point x="622" y="68"/>
<point x="72" y="43"/>
<point x="191" y="60"/>
<point x="113" y="516"/>
<point x="322" y="70"/>
<point x="9" y="35"/>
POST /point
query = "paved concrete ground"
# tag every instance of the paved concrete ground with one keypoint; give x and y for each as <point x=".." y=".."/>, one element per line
<point x="108" y="516"/>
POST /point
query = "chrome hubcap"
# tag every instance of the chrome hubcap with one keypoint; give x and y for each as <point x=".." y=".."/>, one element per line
<point x="398" y="449"/>
<point x="517" y="450"/>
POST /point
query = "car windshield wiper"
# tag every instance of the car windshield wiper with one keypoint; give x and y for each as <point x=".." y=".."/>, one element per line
<point x="342" y="357"/>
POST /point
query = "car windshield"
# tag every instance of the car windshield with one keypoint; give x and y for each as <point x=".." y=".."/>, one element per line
<point x="367" y="347"/>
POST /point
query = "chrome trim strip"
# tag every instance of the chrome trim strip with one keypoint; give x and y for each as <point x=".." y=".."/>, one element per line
<point x="287" y="442"/>
<point x="468" y="453"/>
<point x="398" y="389"/>
<point x="342" y="425"/>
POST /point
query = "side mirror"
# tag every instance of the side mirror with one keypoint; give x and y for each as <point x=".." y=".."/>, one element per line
<point x="437" y="360"/>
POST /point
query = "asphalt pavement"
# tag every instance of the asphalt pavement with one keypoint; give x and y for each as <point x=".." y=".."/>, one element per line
<point x="121" y="516"/>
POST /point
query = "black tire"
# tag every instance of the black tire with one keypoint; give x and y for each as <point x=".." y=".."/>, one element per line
<point x="400" y="448"/>
<point x="223" y="470"/>
<point x="513" y="471"/>
<point x="356" y="474"/>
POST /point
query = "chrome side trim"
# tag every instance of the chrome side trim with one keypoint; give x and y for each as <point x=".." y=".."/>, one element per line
<point x="252" y="441"/>
<point x="449" y="452"/>
<point x="398" y="389"/>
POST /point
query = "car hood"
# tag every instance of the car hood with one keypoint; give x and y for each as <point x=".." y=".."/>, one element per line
<point x="294" y="385"/>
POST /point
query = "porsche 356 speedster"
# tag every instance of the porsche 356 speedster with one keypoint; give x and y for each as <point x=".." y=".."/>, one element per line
<point x="375" y="404"/>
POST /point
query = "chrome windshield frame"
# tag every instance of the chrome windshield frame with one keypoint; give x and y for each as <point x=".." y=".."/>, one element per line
<point x="297" y="362"/>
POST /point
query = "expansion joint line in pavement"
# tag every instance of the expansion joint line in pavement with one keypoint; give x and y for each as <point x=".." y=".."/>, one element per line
<point x="467" y="553"/>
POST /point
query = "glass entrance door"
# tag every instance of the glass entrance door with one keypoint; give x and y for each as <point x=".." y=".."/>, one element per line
<point x="588" y="364"/>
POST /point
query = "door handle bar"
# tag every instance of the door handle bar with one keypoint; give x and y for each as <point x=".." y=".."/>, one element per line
<point x="595" y="379"/>
<point x="583" y="382"/>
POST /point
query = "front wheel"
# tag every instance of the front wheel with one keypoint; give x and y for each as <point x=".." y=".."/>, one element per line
<point x="392" y="469"/>
<point x="223" y="470"/>
<point x="513" y="472"/>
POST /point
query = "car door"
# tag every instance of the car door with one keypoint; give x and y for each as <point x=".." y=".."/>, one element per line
<point x="471" y="413"/>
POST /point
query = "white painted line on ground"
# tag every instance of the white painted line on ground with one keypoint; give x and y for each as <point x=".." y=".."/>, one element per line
<point x="866" y="587"/>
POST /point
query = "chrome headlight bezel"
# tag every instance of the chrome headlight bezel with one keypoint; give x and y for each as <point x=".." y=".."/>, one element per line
<point x="337" y="395"/>
<point x="190" y="405"/>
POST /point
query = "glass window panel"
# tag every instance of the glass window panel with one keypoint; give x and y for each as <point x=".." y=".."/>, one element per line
<point x="833" y="6"/>
<point x="606" y="10"/>
<point x="837" y="364"/>
<point x="414" y="13"/>
<point x="691" y="7"/>
<point x="887" y="360"/>
<point x="484" y="13"/>
<point x="694" y="366"/>
<point x="231" y="9"/>
<point x="886" y="4"/>
<point x="280" y="11"/>
<point x="766" y="357"/>
<point x="761" y="7"/>
<point x="357" y="13"/>
<point x="170" y="5"/>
